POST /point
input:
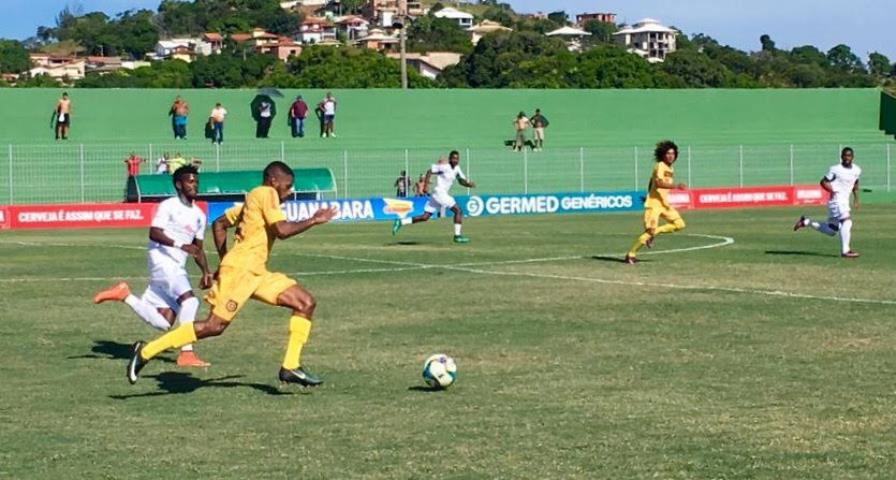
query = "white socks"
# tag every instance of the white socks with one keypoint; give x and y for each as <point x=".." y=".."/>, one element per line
<point x="187" y="314"/>
<point x="845" y="235"/>
<point x="457" y="229"/>
<point x="148" y="313"/>
<point x="407" y="221"/>
<point x="823" y="228"/>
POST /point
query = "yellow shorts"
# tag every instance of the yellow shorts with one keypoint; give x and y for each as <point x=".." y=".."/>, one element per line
<point x="653" y="210"/>
<point x="235" y="286"/>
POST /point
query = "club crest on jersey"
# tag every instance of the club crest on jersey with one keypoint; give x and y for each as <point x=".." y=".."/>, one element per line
<point x="231" y="306"/>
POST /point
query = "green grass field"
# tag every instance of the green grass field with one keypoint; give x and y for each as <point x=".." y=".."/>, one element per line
<point x="768" y="358"/>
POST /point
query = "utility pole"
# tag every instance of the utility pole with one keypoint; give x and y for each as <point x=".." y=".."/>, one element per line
<point x="403" y="18"/>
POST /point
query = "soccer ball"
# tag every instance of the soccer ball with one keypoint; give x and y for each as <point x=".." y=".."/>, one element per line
<point x="439" y="371"/>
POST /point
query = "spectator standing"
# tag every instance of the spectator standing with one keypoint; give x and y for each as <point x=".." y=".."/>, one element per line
<point x="216" y="120"/>
<point x="328" y="107"/>
<point x="402" y="184"/>
<point x="521" y="124"/>
<point x="177" y="162"/>
<point x="420" y="187"/>
<point x="162" y="163"/>
<point x="539" y="123"/>
<point x="297" y="113"/>
<point x="179" y="111"/>
<point x="62" y="115"/>
<point x="133" y="162"/>
<point x="264" y="116"/>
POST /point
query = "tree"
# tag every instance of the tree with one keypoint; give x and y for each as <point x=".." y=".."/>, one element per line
<point x="346" y="67"/>
<point x="809" y="54"/>
<point x="697" y="70"/>
<point x="768" y="45"/>
<point x="611" y="67"/>
<point x="558" y="17"/>
<point x="601" y="32"/>
<point x="841" y="57"/>
<point x="13" y="57"/>
<point x="429" y="33"/>
<point x="879" y="64"/>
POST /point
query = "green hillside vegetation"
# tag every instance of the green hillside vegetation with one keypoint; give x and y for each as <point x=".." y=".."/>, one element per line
<point x="524" y="58"/>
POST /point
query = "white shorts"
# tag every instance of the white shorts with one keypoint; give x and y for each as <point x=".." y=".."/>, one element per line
<point x="838" y="209"/>
<point x="164" y="292"/>
<point x="438" y="201"/>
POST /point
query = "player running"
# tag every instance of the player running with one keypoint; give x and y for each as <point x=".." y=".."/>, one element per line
<point x="841" y="181"/>
<point x="657" y="203"/>
<point x="447" y="174"/>
<point x="177" y="231"/>
<point x="243" y="275"/>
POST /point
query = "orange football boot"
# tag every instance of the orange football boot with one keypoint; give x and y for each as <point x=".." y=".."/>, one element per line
<point x="188" y="358"/>
<point x="117" y="292"/>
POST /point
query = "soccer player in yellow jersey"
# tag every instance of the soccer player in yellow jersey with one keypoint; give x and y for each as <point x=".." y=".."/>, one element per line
<point x="657" y="203"/>
<point x="243" y="274"/>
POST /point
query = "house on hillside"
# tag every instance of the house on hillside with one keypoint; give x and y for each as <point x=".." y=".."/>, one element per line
<point x="381" y="13"/>
<point x="185" y="49"/>
<point x="464" y="20"/>
<point x="649" y="39"/>
<point x="71" y="68"/>
<point x="216" y="40"/>
<point x="352" y="26"/>
<point x="583" y="18"/>
<point x="484" y="28"/>
<point x="283" y="49"/>
<point x="572" y="36"/>
<point x="316" y="30"/>
<point x="429" y="65"/>
<point x="378" y="40"/>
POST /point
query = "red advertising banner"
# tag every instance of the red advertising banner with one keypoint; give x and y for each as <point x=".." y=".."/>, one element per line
<point x="748" y="197"/>
<point x="90" y="215"/>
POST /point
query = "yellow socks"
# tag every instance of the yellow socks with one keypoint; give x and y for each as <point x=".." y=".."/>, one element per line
<point x="178" y="337"/>
<point x="667" y="228"/>
<point x="640" y="242"/>
<point x="299" y="329"/>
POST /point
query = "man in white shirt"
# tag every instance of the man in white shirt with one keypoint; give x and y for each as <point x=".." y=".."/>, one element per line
<point x="446" y="174"/>
<point x="216" y="120"/>
<point x="841" y="181"/>
<point x="328" y="108"/>
<point x="177" y="232"/>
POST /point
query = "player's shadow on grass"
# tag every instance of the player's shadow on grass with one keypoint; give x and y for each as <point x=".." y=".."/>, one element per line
<point x="799" y="253"/>
<point x="425" y="389"/>
<point x="172" y="383"/>
<point x="112" y="350"/>
<point x="403" y="242"/>
<point x="608" y="258"/>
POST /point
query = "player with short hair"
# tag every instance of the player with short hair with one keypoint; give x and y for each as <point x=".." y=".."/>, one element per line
<point x="243" y="274"/>
<point x="446" y="173"/>
<point x="657" y="204"/>
<point x="841" y="181"/>
<point x="177" y="232"/>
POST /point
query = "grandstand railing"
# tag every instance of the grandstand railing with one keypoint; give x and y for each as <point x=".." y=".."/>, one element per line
<point x="72" y="173"/>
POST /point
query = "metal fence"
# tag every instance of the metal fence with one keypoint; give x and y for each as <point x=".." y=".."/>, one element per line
<point x="71" y="173"/>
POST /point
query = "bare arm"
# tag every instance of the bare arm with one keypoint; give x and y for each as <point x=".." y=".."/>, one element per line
<point x="826" y="185"/>
<point x="466" y="183"/>
<point x="157" y="235"/>
<point x="219" y="234"/>
<point x="663" y="183"/>
<point x="200" y="259"/>
<point x="426" y="181"/>
<point x="285" y="229"/>
<point x="855" y="195"/>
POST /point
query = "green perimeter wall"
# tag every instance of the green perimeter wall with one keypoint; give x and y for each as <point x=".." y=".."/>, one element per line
<point x="444" y="119"/>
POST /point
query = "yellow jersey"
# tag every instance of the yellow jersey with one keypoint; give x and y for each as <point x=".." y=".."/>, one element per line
<point x="660" y="172"/>
<point x="255" y="235"/>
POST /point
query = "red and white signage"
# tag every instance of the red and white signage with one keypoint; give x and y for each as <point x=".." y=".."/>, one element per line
<point x="748" y="197"/>
<point x="90" y="215"/>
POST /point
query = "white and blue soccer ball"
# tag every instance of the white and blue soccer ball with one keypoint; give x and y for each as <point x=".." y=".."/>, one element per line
<point x="439" y="371"/>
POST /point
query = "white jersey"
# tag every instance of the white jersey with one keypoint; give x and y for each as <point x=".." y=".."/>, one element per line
<point x="843" y="180"/>
<point x="445" y="176"/>
<point x="181" y="223"/>
<point x="330" y="107"/>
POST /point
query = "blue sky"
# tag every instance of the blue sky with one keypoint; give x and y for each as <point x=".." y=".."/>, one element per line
<point x="861" y="24"/>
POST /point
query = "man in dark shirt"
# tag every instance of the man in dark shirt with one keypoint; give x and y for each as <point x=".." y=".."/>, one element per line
<point x="297" y="114"/>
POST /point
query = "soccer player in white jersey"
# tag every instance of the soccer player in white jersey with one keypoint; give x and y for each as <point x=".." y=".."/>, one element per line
<point x="445" y="174"/>
<point x="177" y="231"/>
<point x="841" y="181"/>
